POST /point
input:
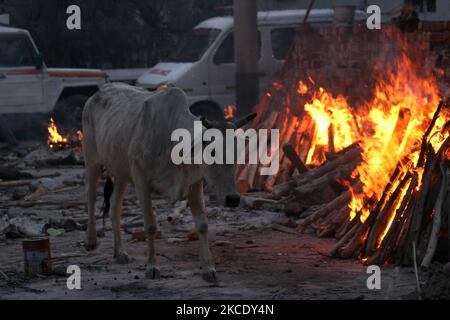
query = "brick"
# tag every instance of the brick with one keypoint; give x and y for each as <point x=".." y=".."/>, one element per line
<point x="433" y="26"/>
<point x="438" y="37"/>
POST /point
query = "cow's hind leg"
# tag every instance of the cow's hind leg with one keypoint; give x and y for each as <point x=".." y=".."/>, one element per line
<point x="120" y="188"/>
<point x="93" y="173"/>
<point x="197" y="204"/>
<point x="150" y="223"/>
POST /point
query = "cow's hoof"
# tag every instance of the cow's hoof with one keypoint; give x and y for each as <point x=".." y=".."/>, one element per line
<point x="122" y="258"/>
<point x="153" y="273"/>
<point x="210" y="276"/>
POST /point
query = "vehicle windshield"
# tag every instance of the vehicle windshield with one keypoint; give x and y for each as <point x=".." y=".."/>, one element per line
<point x="16" y="51"/>
<point x="194" y="45"/>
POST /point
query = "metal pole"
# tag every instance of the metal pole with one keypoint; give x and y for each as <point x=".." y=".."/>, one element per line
<point x="246" y="55"/>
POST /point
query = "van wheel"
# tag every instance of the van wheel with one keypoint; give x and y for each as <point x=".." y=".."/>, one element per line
<point x="68" y="112"/>
<point x="208" y="110"/>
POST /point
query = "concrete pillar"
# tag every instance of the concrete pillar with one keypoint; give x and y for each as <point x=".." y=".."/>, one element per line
<point x="246" y="55"/>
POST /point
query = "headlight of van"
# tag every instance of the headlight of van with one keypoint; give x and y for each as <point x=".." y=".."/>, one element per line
<point x="164" y="85"/>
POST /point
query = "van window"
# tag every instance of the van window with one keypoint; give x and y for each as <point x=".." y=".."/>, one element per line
<point x="281" y="39"/>
<point x="225" y="53"/>
<point x="194" y="45"/>
<point x="16" y="51"/>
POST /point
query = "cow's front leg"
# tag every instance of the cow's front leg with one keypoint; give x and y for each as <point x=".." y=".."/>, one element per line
<point x="150" y="224"/>
<point x="120" y="188"/>
<point x="197" y="204"/>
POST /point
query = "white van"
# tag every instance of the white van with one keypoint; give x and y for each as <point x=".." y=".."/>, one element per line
<point x="203" y="63"/>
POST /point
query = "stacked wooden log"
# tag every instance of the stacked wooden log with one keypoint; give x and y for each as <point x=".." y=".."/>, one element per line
<point x="295" y="138"/>
<point x="410" y="210"/>
<point x="408" y="213"/>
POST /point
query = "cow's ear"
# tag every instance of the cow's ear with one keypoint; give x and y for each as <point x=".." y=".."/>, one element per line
<point x="206" y="123"/>
<point x="239" y="123"/>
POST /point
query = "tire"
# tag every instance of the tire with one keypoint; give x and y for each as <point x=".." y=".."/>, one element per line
<point x="68" y="112"/>
<point x="6" y="133"/>
<point x="208" y="110"/>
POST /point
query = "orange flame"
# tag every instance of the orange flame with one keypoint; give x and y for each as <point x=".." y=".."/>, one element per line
<point x="80" y="135"/>
<point x="53" y="135"/>
<point x="55" y="139"/>
<point x="389" y="127"/>
<point x="229" y="112"/>
<point x="326" y="110"/>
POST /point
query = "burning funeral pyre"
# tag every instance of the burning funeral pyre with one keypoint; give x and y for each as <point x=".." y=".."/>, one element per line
<point x="57" y="141"/>
<point x="375" y="157"/>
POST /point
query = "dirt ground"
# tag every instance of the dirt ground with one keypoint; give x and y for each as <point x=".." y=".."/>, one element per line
<point x="253" y="260"/>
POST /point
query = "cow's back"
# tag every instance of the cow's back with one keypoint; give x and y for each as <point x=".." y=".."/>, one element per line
<point x="125" y="125"/>
<point x="108" y="120"/>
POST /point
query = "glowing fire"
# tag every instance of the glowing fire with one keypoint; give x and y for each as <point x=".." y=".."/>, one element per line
<point x="80" y="135"/>
<point x="397" y="118"/>
<point x="326" y="110"/>
<point x="53" y="135"/>
<point x="389" y="127"/>
<point x="229" y="112"/>
<point x="57" y="140"/>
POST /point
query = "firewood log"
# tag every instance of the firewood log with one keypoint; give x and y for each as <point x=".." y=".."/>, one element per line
<point x="329" y="225"/>
<point x="349" y="235"/>
<point x="337" y="154"/>
<point x="262" y="106"/>
<point x="256" y="203"/>
<point x="403" y="236"/>
<point x="382" y="200"/>
<point x="340" y="201"/>
<point x="285" y="138"/>
<point x="246" y="177"/>
<point x="328" y="179"/>
<point x="390" y="241"/>
<point x="353" y="156"/>
<point x="346" y="226"/>
<point x="404" y="116"/>
<point x="283" y="189"/>
<point x="385" y="214"/>
<point x="350" y="159"/>
<point x="426" y="182"/>
<point x="301" y="131"/>
<point x="15" y="183"/>
<point x="331" y="149"/>
<point x="355" y="243"/>
<point x="290" y="153"/>
<point x="357" y="240"/>
<point x="286" y="171"/>
<point x="432" y="242"/>
<point x="326" y="231"/>
<point x="427" y="133"/>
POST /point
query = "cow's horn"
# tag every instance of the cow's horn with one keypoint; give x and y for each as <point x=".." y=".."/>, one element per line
<point x="243" y="121"/>
<point x="206" y="123"/>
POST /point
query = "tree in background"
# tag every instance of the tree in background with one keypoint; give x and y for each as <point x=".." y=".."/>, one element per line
<point x="114" y="34"/>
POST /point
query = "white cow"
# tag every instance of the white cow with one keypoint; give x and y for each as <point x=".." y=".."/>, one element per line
<point x="127" y="130"/>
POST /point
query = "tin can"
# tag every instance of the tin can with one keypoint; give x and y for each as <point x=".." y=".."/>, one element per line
<point x="37" y="257"/>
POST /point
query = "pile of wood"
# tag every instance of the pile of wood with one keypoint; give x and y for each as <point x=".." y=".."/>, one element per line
<point x="409" y="214"/>
<point x="295" y="137"/>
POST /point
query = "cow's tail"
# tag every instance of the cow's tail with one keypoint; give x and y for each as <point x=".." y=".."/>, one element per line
<point x="107" y="193"/>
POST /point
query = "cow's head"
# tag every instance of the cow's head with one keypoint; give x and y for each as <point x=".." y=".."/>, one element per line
<point x="221" y="177"/>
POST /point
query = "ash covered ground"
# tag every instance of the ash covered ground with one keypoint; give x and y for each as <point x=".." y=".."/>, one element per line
<point x="253" y="260"/>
